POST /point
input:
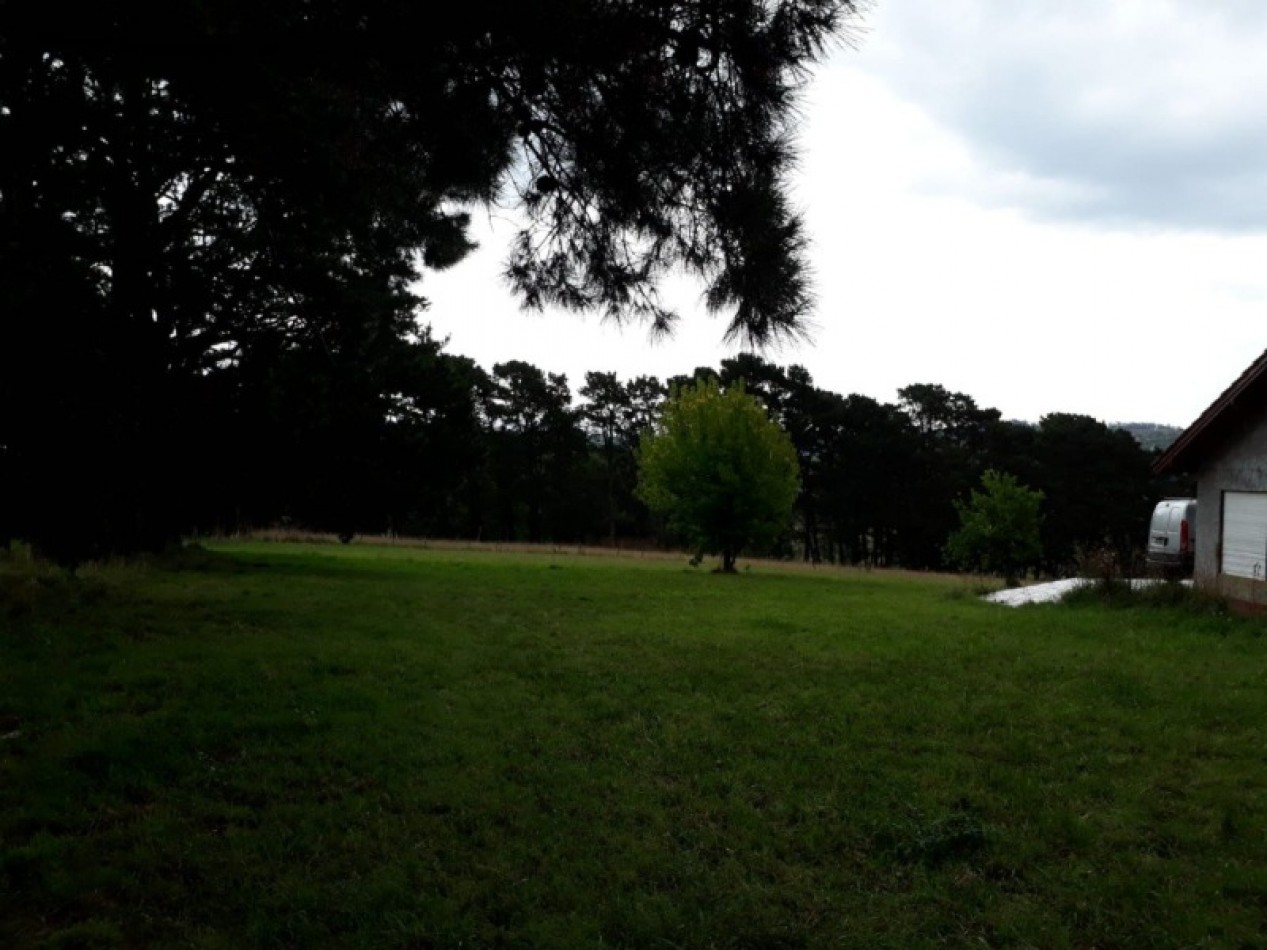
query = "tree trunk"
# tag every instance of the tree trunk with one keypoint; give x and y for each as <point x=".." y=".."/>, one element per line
<point x="134" y="489"/>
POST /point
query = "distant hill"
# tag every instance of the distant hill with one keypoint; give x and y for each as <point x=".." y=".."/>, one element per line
<point x="1151" y="435"/>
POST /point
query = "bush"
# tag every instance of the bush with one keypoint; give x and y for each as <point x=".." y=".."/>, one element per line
<point x="999" y="528"/>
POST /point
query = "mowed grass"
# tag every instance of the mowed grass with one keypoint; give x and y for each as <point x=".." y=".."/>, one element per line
<point x="296" y="745"/>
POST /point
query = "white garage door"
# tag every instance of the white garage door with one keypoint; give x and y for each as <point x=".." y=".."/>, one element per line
<point x="1245" y="534"/>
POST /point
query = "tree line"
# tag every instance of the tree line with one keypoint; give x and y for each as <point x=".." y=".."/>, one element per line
<point x="211" y="238"/>
<point x="384" y="434"/>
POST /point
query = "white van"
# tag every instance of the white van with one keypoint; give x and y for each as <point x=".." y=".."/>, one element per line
<point x="1172" y="537"/>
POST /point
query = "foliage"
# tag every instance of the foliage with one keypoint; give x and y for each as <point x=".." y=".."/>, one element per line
<point x="430" y="444"/>
<point x="357" y="746"/>
<point x="722" y="473"/>
<point x="538" y="447"/>
<point x="1098" y="487"/>
<point x="999" y="528"/>
<point x="254" y="182"/>
<point x="954" y="444"/>
<point x="616" y="415"/>
<point x="209" y="262"/>
<point x="325" y="443"/>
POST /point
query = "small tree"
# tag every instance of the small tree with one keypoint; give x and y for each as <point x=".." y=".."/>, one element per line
<point x="720" y="471"/>
<point x="998" y="528"/>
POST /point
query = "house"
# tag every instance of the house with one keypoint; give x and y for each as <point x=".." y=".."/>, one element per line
<point x="1226" y="448"/>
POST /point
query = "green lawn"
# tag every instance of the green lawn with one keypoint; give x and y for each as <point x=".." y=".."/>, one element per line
<point x="286" y="745"/>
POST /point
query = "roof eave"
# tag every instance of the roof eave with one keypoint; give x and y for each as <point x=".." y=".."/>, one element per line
<point x="1180" y="456"/>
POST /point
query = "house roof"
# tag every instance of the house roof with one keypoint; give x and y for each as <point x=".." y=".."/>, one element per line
<point x="1246" y="394"/>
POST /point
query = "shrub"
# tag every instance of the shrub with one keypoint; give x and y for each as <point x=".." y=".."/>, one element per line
<point x="999" y="528"/>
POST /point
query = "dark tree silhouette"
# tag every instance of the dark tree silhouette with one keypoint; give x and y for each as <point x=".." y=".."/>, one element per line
<point x="538" y="448"/>
<point x="262" y="177"/>
<point x="616" y="415"/>
<point x="605" y="409"/>
<point x="954" y="436"/>
<point x="865" y="475"/>
<point x="1098" y="485"/>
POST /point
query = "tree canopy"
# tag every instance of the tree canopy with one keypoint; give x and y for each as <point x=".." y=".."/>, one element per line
<point x="998" y="528"/>
<point x="189" y="188"/>
<point x="722" y="473"/>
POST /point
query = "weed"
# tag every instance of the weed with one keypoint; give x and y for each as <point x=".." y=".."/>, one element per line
<point x="1168" y="595"/>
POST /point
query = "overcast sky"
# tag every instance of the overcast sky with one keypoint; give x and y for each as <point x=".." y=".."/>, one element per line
<point x="1056" y="207"/>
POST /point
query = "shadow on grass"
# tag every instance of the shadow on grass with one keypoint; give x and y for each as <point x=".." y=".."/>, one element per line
<point x="31" y="585"/>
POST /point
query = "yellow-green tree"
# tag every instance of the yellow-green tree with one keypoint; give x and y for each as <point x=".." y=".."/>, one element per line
<point x="999" y="528"/>
<point x="718" y="469"/>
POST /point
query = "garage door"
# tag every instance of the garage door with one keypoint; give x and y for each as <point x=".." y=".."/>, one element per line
<point x="1245" y="534"/>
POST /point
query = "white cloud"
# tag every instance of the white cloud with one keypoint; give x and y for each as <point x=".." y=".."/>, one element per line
<point x="1149" y="112"/>
<point x="1038" y="205"/>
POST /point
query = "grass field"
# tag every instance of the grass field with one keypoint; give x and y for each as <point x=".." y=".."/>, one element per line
<point x="298" y="745"/>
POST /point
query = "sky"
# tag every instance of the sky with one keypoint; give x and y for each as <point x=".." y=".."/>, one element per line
<point x="1051" y="207"/>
